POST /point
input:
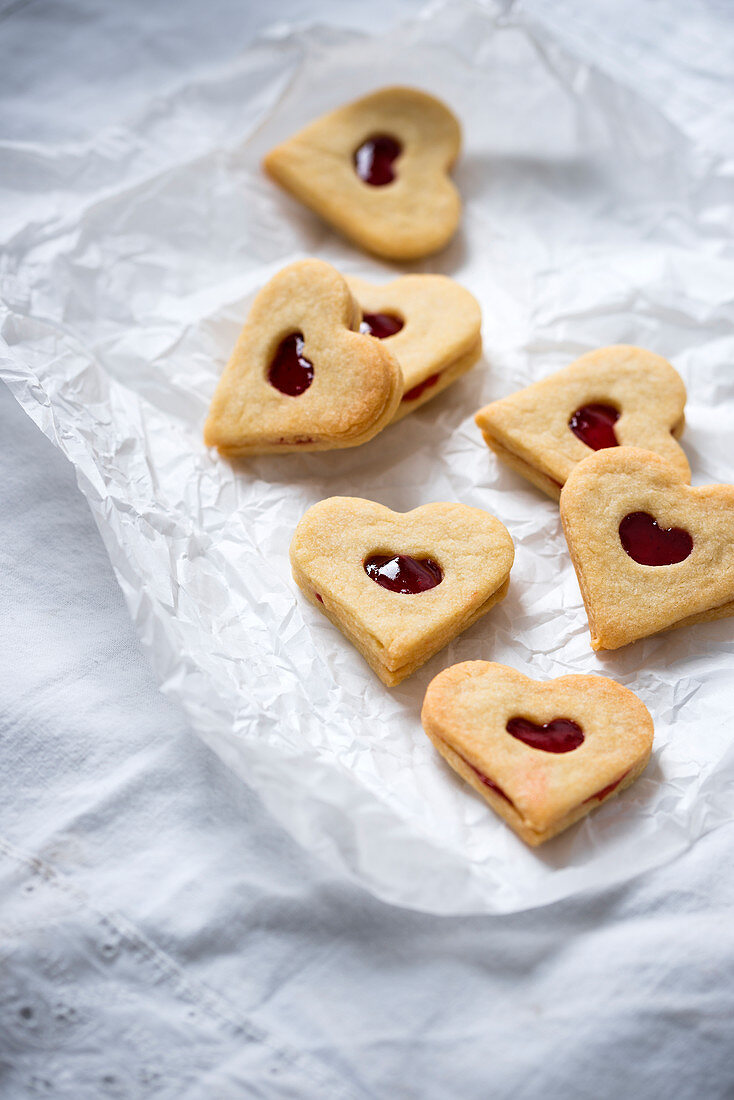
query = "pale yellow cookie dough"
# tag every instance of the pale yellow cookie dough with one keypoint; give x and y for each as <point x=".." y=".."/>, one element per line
<point x="357" y="383"/>
<point x="529" y="430"/>
<point x="465" y="713"/>
<point x="441" y="333"/>
<point x="624" y="599"/>
<point x="396" y="633"/>
<point x="412" y="216"/>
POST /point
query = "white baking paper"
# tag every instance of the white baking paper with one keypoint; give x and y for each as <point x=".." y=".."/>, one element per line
<point x="129" y="268"/>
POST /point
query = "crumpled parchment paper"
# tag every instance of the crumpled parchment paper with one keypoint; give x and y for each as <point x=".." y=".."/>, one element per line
<point x="589" y="219"/>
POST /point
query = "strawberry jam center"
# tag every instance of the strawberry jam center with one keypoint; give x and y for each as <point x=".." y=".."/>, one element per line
<point x="648" y="544"/>
<point x="594" y="426"/>
<point x="402" y="573"/>
<point x="290" y="371"/>
<point x="374" y="159"/>
<point x="560" y="735"/>
<point x="420" y="389"/>
<point x="380" y="325"/>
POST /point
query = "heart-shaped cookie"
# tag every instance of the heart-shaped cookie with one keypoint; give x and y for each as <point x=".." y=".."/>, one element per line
<point x="376" y="169"/>
<point x="300" y="377"/>
<point x="619" y="395"/>
<point x="400" y="586"/>
<point x="542" y="754"/>
<point x="430" y="324"/>
<point x="649" y="551"/>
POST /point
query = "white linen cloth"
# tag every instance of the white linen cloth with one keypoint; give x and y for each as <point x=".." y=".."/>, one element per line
<point x="160" y="936"/>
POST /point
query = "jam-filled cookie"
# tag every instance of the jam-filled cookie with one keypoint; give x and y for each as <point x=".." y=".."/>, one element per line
<point x="431" y="325"/>
<point x="400" y="586"/>
<point x="650" y="552"/>
<point x="377" y="170"/>
<point x="301" y="377"/>
<point x="615" y="396"/>
<point x="541" y="754"/>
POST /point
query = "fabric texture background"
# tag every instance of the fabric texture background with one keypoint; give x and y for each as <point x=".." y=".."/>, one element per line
<point x="159" y="935"/>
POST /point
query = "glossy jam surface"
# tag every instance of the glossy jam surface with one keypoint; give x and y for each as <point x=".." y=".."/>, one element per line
<point x="374" y="159"/>
<point x="319" y="597"/>
<point x="401" y="573"/>
<point x="420" y="389"/>
<point x="648" y="544"/>
<point x="594" y="426"/>
<point x="560" y="735"/>
<point x="290" y="371"/>
<point x="380" y="325"/>
<point x="606" y="790"/>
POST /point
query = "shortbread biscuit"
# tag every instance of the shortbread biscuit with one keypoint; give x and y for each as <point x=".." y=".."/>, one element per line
<point x="650" y="552"/>
<point x="401" y="139"/>
<point x="620" y="393"/>
<point x="300" y="378"/>
<point x="543" y="755"/>
<point x="400" y="586"/>
<point x="439" y="337"/>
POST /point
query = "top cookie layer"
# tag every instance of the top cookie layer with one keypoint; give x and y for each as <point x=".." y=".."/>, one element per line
<point x="441" y="334"/>
<point x="532" y="426"/>
<point x="396" y="633"/>
<point x="467" y="711"/>
<point x="410" y="217"/>
<point x="626" y="597"/>
<point x="356" y="386"/>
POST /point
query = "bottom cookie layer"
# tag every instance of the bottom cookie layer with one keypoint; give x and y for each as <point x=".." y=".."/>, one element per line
<point x="541" y="481"/>
<point x="724" y="611"/>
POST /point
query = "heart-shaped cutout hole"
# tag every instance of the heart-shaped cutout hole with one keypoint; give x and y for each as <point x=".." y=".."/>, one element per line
<point x="290" y="371"/>
<point x="374" y="159"/>
<point x="380" y="325"/>
<point x="559" y="735"/>
<point x="402" y="573"/>
<point x="648" y="544"/>
<point x="594" y="426"/>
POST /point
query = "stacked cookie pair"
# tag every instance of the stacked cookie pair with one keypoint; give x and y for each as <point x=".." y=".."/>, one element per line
<point x="650" y="552"/>
<point x="326" y="361"/>
<point x="355" y="356"/>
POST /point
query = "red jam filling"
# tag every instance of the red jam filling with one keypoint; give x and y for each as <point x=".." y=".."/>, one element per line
<point x="606" y="790"/>
<point x="648" y="544"/>
<point x="380" y="325"/>
<point x="401" y="573"/>
<point x="290" y="371"/>
<point x="560" y="735"/>
<point x="594" y="426"/>
<point x="374" y="159"/>
<point x="319" y="597"/>
<point x="420" y="389"/>
<point x="488" y="782"/>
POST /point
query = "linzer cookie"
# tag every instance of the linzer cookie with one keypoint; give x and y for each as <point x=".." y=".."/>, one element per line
<point x="615" y="396"/>
<point x="377" y="170"/>
<point x="649" y="551"/>
<point x="400" y="586"/>
<point x="430" y="324"/>
<point x="543" y="755"/>
<point x="300" y="377"/>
